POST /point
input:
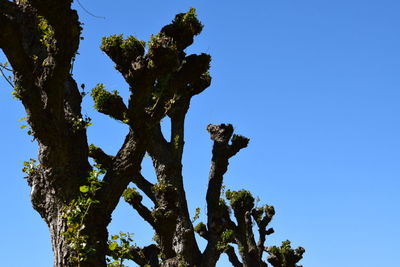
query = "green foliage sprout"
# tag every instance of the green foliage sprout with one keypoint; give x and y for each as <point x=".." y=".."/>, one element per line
<point x="200" y="227"/>
<point x="189" y="21"/>
<point x="30" y="167"/>
<point x="163" y="187"/>
<point x="79" y="124"/>
<point x="111" y="41"/>
<point x="241" y="199"/>
<point x="227" y="237"/>
<point x="119" y="249"/>
<point x="102" y="97"/>
<point x="75" y="213"/>
<point x="131" y="47"/>
<point x="47" y="31"/>
<point x="176" y="141"/>
<point x="132" y="195"/>
<point x="196" y="215"/>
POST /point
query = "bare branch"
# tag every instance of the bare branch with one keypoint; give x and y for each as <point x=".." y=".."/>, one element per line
<point x="144" y="185"/>
<point x="4" y="66"/>
<point x="100" y="157"/>
<point x="87" y="11"/>
<point x="263" y="216"/>
<point x="126" y="163"/>
<point x="172" y="211"/>
<point x="147" y="256"/>
<point x="218" y="218"/>
<point x="233" y="258"/>
<point x="134" y="198"/>
<point x="238" y="142"/>
<point x="5" y="77"/>
<point x="178" y="130"/>
<point x="159" y="148"/>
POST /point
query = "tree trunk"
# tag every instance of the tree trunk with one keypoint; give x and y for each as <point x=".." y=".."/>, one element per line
<point x="62" y="252"/>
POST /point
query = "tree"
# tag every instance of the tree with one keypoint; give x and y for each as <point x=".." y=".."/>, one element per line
<point x="40" y="39"/>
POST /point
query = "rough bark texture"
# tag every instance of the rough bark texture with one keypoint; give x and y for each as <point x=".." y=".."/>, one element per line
<point x="40" y="39"/>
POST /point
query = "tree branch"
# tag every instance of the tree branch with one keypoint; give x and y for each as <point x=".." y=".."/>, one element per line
<point x="147" y="256"/>
<point x="5" y="76"/>
<point x="201" y="229"/>
<point x="144" y="185"/>
<point x="220" y="134"/>
<point x="178" y="130"/>
<point x="64" y="22"/>
<point x="126" y="163"/>
<point x="159" y="149"/>
<point x="100" y="157"/>
<point x="233" y="258"/>
<point x="172" y="211"/>
<point x="39" y="39"/>
<point x="238" y="142"/>
<point x="193" y="77"/>
<point x="11" y="20"/>
<point x="242" y="203"/>
<point x="110" y="104"/>
<point x="133" y="198"/>
<point x="263" y="216"/>
<point x="222" y="151"/>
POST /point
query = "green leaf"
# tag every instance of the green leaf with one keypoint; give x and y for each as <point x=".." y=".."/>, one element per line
<point x="113" y="245"/>
<point x="114" y="237"/>
<point x="22" y="126"/>
<point x="84" y="188"/>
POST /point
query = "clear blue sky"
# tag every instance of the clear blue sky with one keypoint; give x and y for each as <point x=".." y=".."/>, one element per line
<point x="315" y="84"/>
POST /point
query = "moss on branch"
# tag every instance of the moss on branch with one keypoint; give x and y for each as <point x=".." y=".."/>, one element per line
<point x="132" y="196"/>
<point x="240" y="200"/>
<point x="183" y="28"/>
<point x="122" y="51"/>
<point x="109" y="103"/>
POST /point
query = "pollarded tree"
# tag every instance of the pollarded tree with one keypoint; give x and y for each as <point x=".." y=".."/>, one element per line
<point x="40" y="39"/>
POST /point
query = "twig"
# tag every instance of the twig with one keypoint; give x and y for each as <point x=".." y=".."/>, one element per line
<point x="87" y="11"/>
<point x="3" y="65"/>
<point x="5" y="77"/>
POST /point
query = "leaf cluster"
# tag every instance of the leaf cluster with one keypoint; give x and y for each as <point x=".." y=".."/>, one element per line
<point x="109" y="103"/>
<point x="79" y="124"/>
<point x="30" y="167"/>
<point x="46" y="30"/>
<point x="119" y="249"/>
<point x="75" y="213"/>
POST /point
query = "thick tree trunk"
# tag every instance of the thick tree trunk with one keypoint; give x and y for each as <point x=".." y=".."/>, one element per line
<point x="53" y="186"/>
<point x="61" y="250"/>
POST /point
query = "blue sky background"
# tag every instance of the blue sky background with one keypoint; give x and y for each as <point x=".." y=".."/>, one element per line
<point x="314" y="84"/>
